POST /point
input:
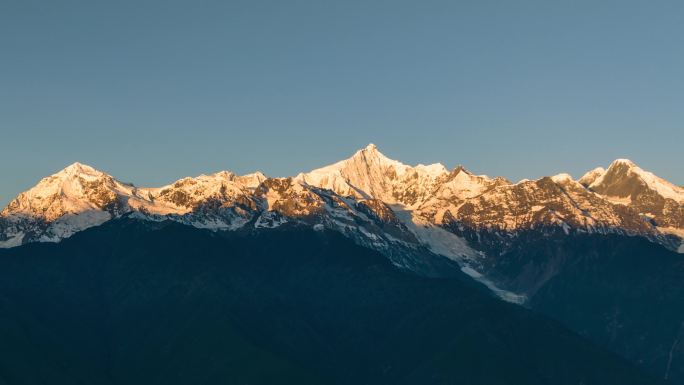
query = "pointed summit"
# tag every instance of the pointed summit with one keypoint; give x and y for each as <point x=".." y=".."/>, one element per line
<point x="619" y="168"/>
<point x="76" y="165"/>
<point x="370" y="174"/>
<point x="591" y="176"/>
<point x="74" y="189"/>
<point x="625" y="180"/>
<point x="622" y="162"/>
<point x="71" y="200"/>
<point x="78" y="170"/>
<point x="364" y="175"/>
<point x="372" y="156"/>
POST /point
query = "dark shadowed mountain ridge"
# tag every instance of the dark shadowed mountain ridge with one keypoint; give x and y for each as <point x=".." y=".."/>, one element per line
<point x="173" y="304"/>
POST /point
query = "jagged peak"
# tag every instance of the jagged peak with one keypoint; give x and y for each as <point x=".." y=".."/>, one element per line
<point x="621" y="168"/>
<point x="370" y="157"/>
<point x="222" y="174"/>
<point x="368" y="150"/>
<point x="618" y="167"/>
<point x="365" y="158"/>
<point x="367" y="174"/>
<point x="434" y="169"/>
<point x="252" y="180"/>
<point x="78" y="168"/>
<point x="590" y="176"/>
<point x="78" y="165"/>
<point x="623" y="176"/>
<point x="622" y="162"/>
<point x="460" y="172"/>
<point x="69" y="176"/>
<point x="596" y="171"/>
<point x="256" y="174"/>
<point x="75" y="189"/>
<point x="371" y="154"/>
<point x="461" y="169"/>
<point x="371" y="147"/>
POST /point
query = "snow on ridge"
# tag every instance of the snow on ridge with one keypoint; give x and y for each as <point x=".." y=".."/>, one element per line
<point x="429" y="189"/>
<point x="562" y="177"/>
<point x="14" y="241"/>
<point x="623" y="161"/>
<point x="434" y="170"/>
<point x="591" y="176"/>
<point x="368" y="173"/>
<point x="676" y="232"/>
<point x="661" y="186"/>
<point x="80" y="196"/>
<point x="450" y="245"/>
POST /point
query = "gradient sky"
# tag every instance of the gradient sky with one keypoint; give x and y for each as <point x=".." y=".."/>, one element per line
<point x="151" y="91"/>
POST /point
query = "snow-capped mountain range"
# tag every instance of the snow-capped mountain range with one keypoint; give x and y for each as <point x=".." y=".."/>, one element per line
<point x="379" y="202"/>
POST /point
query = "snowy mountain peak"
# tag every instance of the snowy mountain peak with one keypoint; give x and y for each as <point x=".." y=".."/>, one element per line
<point x="460" y="184"/>
<point x="625" y="181"/>
<point x="370" y="157"/>
<point x="227" y="175"/>
<point x="371" y="147"/>
<point x="591" y="176"/>
<point x="252" y="180"/>
<point x="622" y="162"/>
<point x="370" y="174"/>
<point x="562" y="177"/>
<point x="216" y="181"/>
<point x="79" y="169"/>
<point x="79" y="196"/>
<point x="76" y="188"/>
<point x="435" y="170"/>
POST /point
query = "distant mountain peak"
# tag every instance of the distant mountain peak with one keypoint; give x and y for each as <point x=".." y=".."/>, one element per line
<point x="80" y="196"/>
<point x="368" y="173"/>
<point x="224" y="174"/>
<point x="591" y="176"/>
<point x="372" y="157"/>
<point x="562" y="177"/>
<point x="371" y="147"/>
<point x="624" y="179"/>
<point x="623" y="162"/>
<point x="252" y="180"/>
<point x="78" y="168"/>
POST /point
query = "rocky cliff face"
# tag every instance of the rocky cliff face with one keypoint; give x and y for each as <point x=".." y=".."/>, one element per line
<point x="655" y="198"/>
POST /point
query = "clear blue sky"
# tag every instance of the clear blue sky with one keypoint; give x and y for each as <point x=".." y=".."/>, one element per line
<point x="151" y="91"/>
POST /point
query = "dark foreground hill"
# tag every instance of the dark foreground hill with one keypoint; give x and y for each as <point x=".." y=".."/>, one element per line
<point x="138" y="303"/>
<point x="624" y="293"/>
